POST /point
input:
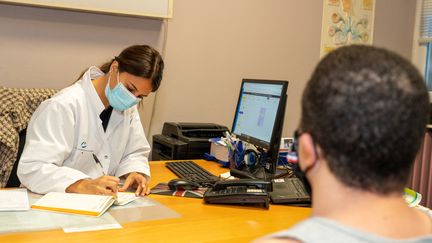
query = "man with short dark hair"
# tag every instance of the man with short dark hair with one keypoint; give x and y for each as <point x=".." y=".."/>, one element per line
<point x="364" y="114"/>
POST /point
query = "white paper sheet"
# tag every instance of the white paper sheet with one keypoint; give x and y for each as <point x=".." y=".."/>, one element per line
<point x="125" y="198"/>
<point x="14" y="200"/>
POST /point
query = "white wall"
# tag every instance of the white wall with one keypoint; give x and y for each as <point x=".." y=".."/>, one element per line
<point x="49" y="48"/>
<point x="211" y="45"/>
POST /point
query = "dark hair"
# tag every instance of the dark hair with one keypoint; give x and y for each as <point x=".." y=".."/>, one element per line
<point x="367" y="108"/>
<point x="140" y="60"/>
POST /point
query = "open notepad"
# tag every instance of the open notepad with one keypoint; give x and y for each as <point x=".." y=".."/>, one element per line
<point x="83" y="204"/>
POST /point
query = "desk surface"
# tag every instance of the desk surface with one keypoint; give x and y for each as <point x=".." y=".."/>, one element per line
<point x="199" y="222"/>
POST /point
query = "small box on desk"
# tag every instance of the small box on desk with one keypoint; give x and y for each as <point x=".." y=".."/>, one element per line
<point x="219" y="151"/>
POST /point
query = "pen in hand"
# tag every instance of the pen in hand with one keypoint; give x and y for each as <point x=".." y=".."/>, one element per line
<point x="98" y="162"/>
<point x="108" y="182"/>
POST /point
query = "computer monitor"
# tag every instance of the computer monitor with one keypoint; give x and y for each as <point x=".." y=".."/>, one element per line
<point x="259" y="118"/>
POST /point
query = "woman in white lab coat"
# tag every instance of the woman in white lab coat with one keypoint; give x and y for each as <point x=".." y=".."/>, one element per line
<point x="89" y="135"/>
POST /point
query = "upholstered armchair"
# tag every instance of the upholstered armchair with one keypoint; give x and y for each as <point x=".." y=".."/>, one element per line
<point x="16" y="107"/>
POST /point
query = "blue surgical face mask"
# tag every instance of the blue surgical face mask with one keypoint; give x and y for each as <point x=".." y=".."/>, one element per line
<point x="119" y="97"/>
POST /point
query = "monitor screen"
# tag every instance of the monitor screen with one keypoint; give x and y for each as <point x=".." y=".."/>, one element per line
<point x="259" y="120"/>
<point x="260" y="110"/>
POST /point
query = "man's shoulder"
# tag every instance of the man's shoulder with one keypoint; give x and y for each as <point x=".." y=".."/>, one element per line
<point x="309" y="230"/>
<point x="317" y="229"/>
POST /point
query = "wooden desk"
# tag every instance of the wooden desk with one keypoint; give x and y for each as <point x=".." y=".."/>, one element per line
<point x="199" y="222"/>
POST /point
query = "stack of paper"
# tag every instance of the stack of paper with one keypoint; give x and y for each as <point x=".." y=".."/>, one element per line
<point x="14" y="200"/>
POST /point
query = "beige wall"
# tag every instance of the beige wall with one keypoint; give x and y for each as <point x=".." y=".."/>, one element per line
<point x="394" y="25"/>
<point x="211" y="45"/>
<point x="50" y="48"/>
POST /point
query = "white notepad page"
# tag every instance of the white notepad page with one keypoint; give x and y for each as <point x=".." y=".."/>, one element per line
<point x="85" y="204"/>
<point x="75" y="203"/>
<point x="125" y="198"/>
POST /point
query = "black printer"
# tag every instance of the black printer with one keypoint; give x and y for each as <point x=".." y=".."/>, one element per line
<point x="181" y="140"/>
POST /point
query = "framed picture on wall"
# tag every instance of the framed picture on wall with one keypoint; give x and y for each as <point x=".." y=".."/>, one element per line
<point x="346" y="22"/>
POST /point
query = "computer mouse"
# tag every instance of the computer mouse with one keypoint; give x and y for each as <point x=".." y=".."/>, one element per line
<point x="182" y="184"/>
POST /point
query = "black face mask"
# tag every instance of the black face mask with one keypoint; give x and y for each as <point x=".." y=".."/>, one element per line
<point x="302" y="176"/>
<point x="296" y="167"/>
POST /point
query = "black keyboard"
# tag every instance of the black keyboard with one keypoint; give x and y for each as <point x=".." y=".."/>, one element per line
<point x="190" y="171"/>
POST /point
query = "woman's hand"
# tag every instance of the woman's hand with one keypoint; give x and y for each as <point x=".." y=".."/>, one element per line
<point x="104" y="185"/>
<point x="138" y="181"/>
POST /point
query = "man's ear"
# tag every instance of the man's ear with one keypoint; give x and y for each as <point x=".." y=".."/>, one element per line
<point x="307" y="151"/>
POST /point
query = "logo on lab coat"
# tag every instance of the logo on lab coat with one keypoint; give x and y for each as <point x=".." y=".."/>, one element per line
<point x="84" y="145"/>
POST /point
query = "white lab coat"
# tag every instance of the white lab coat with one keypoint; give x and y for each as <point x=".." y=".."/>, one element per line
<point x="64" y="133"/>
